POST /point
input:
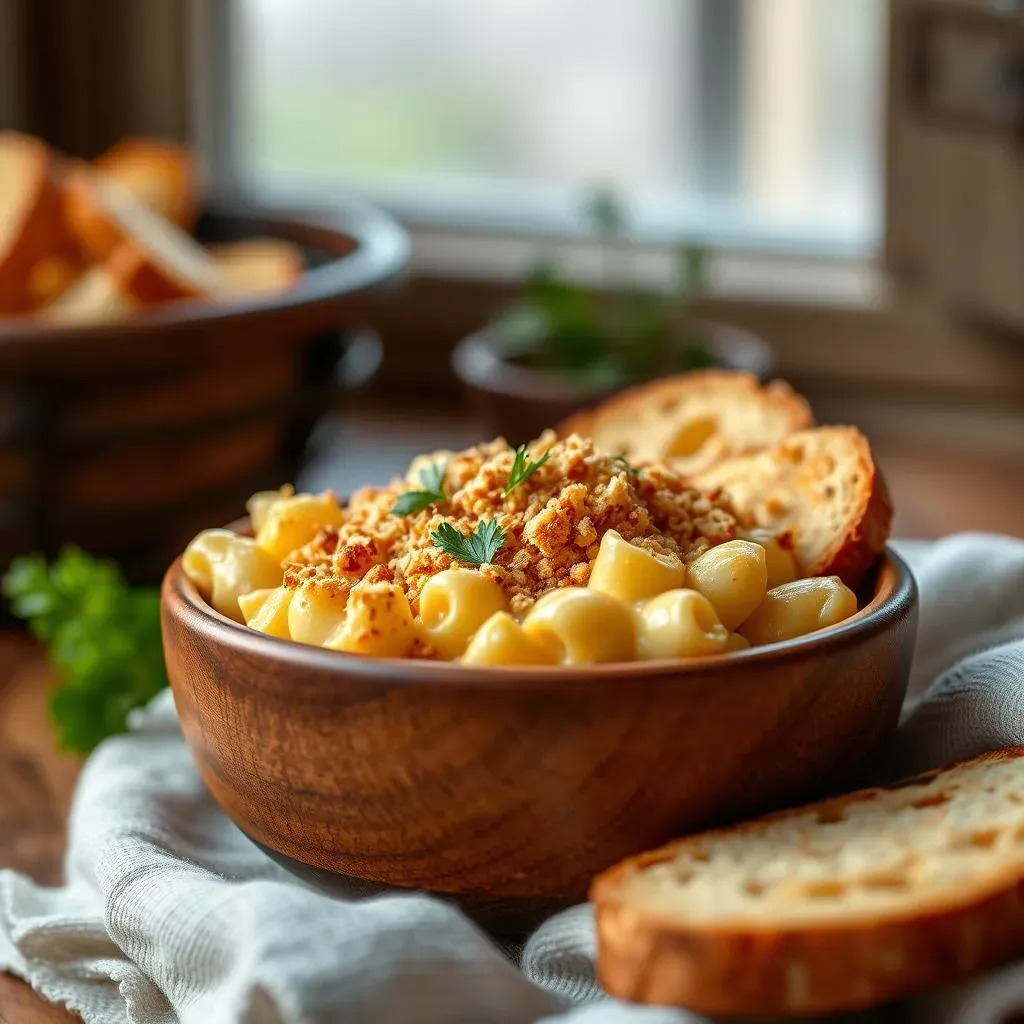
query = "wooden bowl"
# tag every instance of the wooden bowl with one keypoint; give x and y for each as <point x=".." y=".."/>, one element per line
<point x="127" y="438"/>
<point x="508" y="789"/>
<point x="518" y="401"/>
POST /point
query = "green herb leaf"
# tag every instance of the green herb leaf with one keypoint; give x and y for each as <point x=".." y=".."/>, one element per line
<point x="626" y="464"/>
<point x="432" y="479"/>
<point x="103" y="636"/>
<point x="522" y="329"/>
<point x="604" y="213"/>
<point x="574" y="336"/>
<point x="693" y="270"/>
<point x="478" y="548"/>
<point x="523" y="468"/>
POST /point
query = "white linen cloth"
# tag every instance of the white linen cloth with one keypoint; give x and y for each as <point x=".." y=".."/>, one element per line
<point x="170" y="915"/>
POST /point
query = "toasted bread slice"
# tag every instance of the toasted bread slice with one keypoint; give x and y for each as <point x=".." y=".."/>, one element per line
<point x="38" y="256"/>
<point x="101" y="295"/>
<point x="693" y="420"/>
<point x="159" y="174"/>
<point x="822" y="488"/>
<point x="837" y="906"/>
<point x="127" y="283"/>
<point x="107" y="219"/>
<point x="258" y="265"/>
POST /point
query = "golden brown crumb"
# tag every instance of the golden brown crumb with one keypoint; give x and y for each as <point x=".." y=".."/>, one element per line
<point x="553" y="522"/>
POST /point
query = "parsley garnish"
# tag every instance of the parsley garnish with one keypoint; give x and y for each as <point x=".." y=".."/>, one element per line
<point x="626" y="464"/>
<point x="478" y="548"/>
<point x="103" y="638"/>
<point x="523" y="468"/>
<point x="432" y="479"/>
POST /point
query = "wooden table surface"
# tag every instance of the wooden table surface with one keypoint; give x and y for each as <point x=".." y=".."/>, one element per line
<point x="35" y="791"/>
<point x="934" y="493"/>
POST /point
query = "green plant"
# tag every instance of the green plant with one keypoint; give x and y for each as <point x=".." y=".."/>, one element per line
<point x="103" y="638"/>
<point x="621" y="335"/>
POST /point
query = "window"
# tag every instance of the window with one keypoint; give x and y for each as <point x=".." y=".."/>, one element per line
<point x="740" y="121"/>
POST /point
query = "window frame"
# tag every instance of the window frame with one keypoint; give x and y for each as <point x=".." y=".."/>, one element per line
<point x="543" y="217"/>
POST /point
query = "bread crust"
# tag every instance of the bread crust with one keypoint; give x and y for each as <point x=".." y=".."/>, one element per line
<point x="733" y="385"/>
<point x="853" y="556"/>
<point x="158" y="172"/>
<point x="42" y="240"/>
<point x="853" y="550"/>
<point x="126" y="284"/>
<point x="846" y="963"/>
<point x="258" y="265"/>
<point x="97" y="232"/>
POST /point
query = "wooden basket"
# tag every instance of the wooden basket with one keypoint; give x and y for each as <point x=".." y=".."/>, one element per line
<point x="126" y="439"/>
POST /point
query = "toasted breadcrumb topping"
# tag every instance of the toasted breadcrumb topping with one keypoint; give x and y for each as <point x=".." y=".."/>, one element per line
<point x="553" y="521"/>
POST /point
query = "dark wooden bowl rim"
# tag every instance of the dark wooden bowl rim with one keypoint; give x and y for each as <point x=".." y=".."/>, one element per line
<point x="367" y="249"/>
<point x="895" y="593"/>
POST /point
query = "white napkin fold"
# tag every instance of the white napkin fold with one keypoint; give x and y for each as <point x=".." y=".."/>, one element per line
<point x="169" y="915"/>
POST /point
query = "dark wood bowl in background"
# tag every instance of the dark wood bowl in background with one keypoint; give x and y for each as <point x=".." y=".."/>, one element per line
<point x="506" y="790"/>
<point x="519" y="402"/>
<point x="127" y="438"/>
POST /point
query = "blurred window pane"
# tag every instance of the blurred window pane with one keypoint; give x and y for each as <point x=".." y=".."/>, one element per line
<point x="753" y="116"/>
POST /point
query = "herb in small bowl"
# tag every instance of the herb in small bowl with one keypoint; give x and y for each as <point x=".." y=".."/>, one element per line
<point x="561" y="345"/>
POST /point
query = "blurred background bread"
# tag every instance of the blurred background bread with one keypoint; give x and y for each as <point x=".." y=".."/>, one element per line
<point x="38" y="252"/>
<point x="159" y="173"/>
<point x="97" y="243"/>
<point x="257" y="265"/>
<point x="152" y="378"/>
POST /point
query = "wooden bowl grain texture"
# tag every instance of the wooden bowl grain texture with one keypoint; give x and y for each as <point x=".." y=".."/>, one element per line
<point x="508" y="789"/>
<point x="127" y="438"/>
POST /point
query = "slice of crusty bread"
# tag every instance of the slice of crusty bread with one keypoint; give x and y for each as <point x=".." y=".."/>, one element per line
<point x="158" y="173"/>
<point x="837" y="906"/>
<point x="99" y="296"/>
<point x="107" y="219"/>
<point x="822" y="488"/>
<point x="693" y="420"/>
<point x="104" y="215"/>
<point x="38" y="256"/>
<point x="258" y="266"/>
<point x="128" y="282"/>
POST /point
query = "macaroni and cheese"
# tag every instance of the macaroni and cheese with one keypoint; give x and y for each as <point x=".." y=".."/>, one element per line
<point x="552" y="555"/>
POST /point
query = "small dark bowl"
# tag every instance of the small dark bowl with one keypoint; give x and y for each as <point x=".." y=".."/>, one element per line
<point x="126" y="438"/>
<point x="518" y="401"/>
<point x="506" y="790"/>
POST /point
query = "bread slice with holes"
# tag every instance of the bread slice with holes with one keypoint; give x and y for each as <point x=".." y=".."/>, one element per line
<point x="38" y="255"/>
<point x="693" y="420"/>
<point x="821" y="488"/>
<point x="158" y="173"/>
<point x="838" y="906"/>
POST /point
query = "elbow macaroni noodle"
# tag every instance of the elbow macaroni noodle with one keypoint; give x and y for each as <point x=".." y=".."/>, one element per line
<point x="454" y="604"/>
<point x="638" y="603"/>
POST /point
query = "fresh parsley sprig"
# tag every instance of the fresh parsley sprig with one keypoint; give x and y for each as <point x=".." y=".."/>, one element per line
<point x="523" y="468"/>
<point x="432" y="479"/>
<point x="626" y="464"/>
<point x="103" y="638"/>
<point x="478" y="548"/>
